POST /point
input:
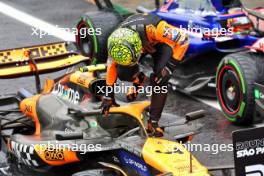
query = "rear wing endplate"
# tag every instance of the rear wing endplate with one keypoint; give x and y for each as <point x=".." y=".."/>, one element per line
<point x="48" y="58"/>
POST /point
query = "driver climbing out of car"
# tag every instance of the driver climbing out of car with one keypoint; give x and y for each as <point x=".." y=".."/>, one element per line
<point x="144" y="34"/>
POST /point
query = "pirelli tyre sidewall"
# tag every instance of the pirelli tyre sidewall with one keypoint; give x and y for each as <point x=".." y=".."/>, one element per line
<point x="236" y="75"/>
<point x="98" y="26"/>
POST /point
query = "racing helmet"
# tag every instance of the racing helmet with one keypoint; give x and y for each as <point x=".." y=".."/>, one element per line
<point x="124" y="46"/>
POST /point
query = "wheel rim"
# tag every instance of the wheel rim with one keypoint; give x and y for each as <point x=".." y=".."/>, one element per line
<point x="229" y="90"/>
<point x="84" y="40"/>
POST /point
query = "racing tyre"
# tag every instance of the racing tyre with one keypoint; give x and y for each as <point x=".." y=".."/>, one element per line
<point x="93" y="29"/>
<point x="236" y="76"/>
<point x="260" y="66"/>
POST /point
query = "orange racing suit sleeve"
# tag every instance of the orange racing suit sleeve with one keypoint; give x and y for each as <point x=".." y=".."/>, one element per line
<point x="174" y="37"/>
<point x="111" y="73"/>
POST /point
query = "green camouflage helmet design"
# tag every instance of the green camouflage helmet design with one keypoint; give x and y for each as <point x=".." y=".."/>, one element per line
<point x="124" y="46"/>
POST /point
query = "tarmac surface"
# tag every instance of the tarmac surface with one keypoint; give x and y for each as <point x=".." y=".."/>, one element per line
<point x="215" y="131"/>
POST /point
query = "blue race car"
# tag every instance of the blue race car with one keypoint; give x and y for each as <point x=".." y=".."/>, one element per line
<point x="216" y="28"/>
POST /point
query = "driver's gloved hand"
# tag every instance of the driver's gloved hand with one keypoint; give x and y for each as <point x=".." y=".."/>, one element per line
<point x="162" y="77"/>
<point x="107" y="102"/>
<point x="132" y="94"/>
<point x="137" y="82"/>
<point x="154" y="129"/>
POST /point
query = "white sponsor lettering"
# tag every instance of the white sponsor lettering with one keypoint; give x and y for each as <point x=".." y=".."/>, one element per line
<point x="254" y="170"/>
<point x="67" y="93"/>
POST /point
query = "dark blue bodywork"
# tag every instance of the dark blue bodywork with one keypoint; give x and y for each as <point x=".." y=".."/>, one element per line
<point x="134" y="162"/>
<point x="203" y="14"/>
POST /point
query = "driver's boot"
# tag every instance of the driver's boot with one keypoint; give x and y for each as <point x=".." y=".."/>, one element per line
<point x="156" y="107"/>
<point x="154" y="129"/>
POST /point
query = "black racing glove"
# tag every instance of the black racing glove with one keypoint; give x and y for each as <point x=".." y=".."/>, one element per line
<point x="107" y="102"/>
<point x="162" y="77"/>
<point x="132" y="94"/>
<point x="133" y="91"/>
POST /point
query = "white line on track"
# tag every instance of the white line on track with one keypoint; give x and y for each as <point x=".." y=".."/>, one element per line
<point x="209" y="102"/>
<point x="35" y="22"/>
<point x="61" y="34"/>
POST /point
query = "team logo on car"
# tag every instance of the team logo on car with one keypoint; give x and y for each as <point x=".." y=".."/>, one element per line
<point x="54" y="155"/>
<point x="67" y="93"/>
